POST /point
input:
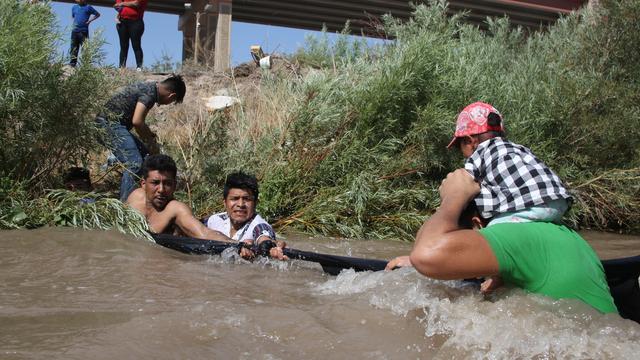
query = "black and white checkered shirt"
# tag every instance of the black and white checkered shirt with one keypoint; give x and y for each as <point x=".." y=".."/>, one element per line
<point x="511" y="178"/>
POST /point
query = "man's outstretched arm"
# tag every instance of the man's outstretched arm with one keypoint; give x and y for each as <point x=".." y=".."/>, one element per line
<point x="192" y="227"/>
<point x="442" y="250"/>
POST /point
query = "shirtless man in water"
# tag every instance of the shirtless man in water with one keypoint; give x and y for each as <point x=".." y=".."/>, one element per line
<point x="154" y="199"/>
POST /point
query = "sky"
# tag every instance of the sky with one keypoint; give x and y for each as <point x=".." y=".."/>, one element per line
<point x="161" y="36"/>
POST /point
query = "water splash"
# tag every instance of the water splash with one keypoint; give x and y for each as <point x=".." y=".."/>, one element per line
<point x="509" y="324"/>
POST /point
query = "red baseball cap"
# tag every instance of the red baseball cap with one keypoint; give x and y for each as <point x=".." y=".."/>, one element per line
<point x="473" y="120"/>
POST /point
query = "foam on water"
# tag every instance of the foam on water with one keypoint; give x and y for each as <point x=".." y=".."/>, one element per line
<point x="509" y="324"/>
<point x="231" y="256"/>
<point x="79" y="295"/>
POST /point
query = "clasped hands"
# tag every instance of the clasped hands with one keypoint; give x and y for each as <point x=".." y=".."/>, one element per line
<point x="267" y="247"/>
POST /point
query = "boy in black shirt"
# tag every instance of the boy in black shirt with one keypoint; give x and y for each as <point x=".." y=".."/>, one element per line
<point x="128" y="109"/>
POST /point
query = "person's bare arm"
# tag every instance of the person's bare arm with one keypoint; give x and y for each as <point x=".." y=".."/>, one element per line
<point x="136" y="200"/>
<point x="192" y="227"/>
<point x="490" y="284"/>
<point x="442" y="250"/>
<point x="400" y="261"/>
<point x="133" y="3"/>
<point x="95" y="16"/>
<point x="147" y="136"/>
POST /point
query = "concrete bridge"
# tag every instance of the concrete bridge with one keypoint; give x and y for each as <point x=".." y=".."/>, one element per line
<point x="214" y="25"/>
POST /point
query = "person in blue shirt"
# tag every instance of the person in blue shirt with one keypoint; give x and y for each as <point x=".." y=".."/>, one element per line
<point x="82" y="17"/>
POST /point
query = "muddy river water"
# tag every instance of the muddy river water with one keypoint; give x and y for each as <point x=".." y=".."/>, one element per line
<point x="73" y="294"/>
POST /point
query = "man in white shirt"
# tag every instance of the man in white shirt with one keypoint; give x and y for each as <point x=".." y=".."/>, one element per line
<point x="240" y="221"/>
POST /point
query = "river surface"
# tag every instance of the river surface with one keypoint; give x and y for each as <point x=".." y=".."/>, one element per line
<point x="73" y="294"/>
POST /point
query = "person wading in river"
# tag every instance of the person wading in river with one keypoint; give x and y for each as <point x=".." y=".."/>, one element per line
<point x="515" y="186"/>
<point x="240" y="221"/>
<point x="154" y="199"/>
<point x="539" y="257"/>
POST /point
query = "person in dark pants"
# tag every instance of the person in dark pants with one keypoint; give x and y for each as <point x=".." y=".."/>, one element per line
<point x="127" y="110"/>
<point x="130" y="27"/>
<point x="82" y="17"/>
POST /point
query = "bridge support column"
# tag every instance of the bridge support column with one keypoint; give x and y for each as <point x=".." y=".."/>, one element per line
<point x="210" y="41"/>
<point x="223" y="36"/>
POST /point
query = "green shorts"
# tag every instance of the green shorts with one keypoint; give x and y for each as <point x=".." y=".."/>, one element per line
<point x="550" y="259"/>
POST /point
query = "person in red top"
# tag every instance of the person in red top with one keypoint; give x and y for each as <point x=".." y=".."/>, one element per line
<point x="130" y="26"/>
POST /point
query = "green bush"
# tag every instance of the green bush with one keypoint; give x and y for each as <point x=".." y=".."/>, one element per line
<point x="320" y="52"/>
<point x="65" y="208"/>
<point x="47" y="113"/>
<point x="365" y="148"/>
<point x="355" y="146"/>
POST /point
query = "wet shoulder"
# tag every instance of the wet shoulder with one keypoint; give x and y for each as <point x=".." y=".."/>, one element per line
<point x="175" y="207"/>
<point x="137" y="200"/>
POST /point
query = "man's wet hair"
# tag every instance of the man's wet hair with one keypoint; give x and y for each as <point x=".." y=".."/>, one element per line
<point x="241" y="180"/>
<point x="175" y="84"/>
<point x="159" y="162"/>
<point x="464" y="221"/>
